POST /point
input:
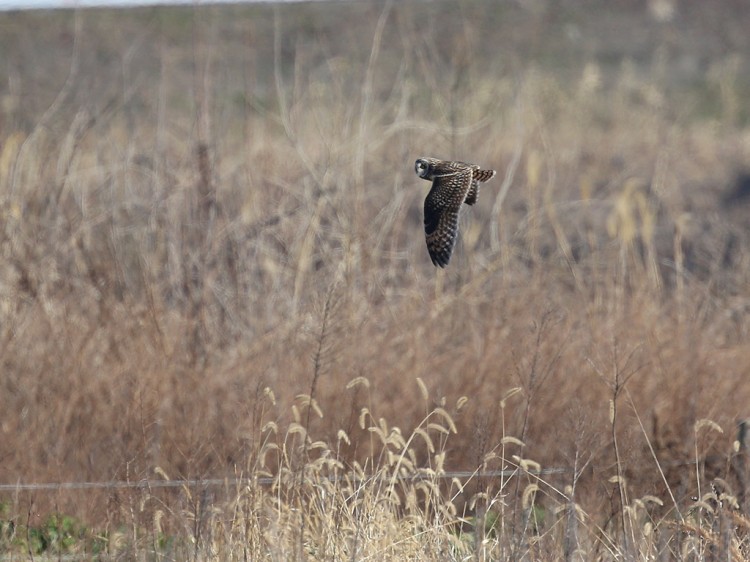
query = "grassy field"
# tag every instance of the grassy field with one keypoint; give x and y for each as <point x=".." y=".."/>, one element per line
<point x="214" y="272"/>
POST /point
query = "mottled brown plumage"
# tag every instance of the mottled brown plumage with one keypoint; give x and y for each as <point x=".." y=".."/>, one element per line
<point x="453" y="184"/>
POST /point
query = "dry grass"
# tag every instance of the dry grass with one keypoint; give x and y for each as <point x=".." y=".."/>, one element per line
<point x="214" y="267"/>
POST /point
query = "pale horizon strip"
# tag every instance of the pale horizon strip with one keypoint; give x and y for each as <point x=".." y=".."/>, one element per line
<point x="27" y="5"/>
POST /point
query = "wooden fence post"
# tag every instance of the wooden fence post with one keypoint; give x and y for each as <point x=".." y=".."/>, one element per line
<point x="741" y="463"/>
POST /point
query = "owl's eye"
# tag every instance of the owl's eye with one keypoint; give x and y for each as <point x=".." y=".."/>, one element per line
<point x="420" y="167"/>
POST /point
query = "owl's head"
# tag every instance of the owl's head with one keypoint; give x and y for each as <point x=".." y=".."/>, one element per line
<point x="423" y="168"/>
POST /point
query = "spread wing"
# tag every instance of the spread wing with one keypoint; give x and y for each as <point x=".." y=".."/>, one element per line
<point x="441" y="208"/>
<point x="477" y="176"/>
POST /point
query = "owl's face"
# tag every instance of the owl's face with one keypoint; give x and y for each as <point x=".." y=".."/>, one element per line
<point x="423" y="168"/>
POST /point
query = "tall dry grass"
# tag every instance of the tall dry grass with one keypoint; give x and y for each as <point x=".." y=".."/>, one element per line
<point x="214" y="267"/>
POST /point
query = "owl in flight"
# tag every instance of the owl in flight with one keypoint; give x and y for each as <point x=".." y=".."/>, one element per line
<point x="453" y="184"/>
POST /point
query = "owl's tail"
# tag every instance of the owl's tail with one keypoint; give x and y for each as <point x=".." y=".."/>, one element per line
<point x="484" y="175"/>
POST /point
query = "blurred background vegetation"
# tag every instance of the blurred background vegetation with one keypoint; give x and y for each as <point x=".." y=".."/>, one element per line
<point x="204" y="205"/>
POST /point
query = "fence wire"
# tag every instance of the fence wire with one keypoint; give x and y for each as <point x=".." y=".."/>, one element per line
<point x="268" y="480"/>
<point x="263" y="481"/>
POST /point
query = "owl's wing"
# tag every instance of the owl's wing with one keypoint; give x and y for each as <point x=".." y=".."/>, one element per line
<point x="441" y="214"/>
<point x="477" y="176"/>
<point x="473" y="194"/>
